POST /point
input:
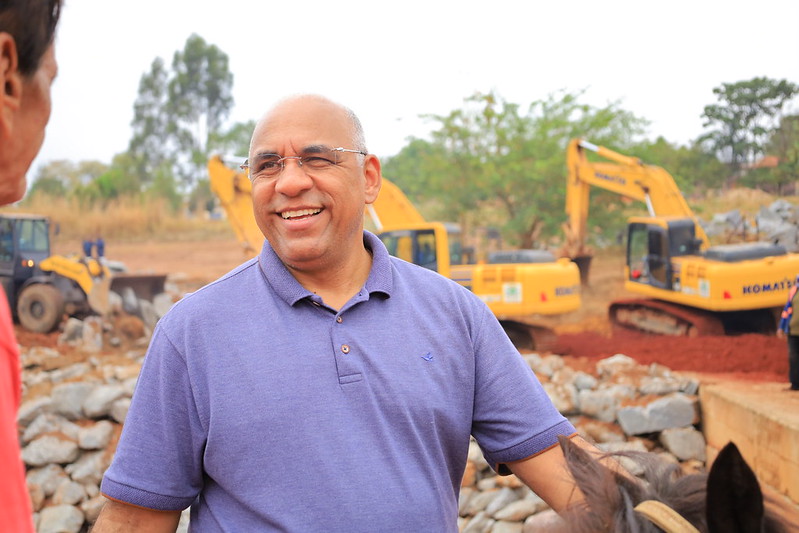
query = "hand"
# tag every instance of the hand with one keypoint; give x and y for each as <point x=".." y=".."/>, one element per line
<point x="780" y="334"/>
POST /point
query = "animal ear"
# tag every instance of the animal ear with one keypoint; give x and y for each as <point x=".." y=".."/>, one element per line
<point x="734" y="498"/>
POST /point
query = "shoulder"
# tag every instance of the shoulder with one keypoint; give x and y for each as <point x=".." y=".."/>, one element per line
<point x="235" y="286"/>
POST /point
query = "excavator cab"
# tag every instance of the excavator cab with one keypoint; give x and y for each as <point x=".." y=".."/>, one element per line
<point x="652" y="243"/>
<point x="430" y="245"/>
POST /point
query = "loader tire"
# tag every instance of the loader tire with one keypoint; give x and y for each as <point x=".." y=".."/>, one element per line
<point x="40" y="308"/>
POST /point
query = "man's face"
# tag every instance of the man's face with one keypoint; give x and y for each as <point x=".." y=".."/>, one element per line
<point x="27" y="129"/>
<point x="313" y="219"/>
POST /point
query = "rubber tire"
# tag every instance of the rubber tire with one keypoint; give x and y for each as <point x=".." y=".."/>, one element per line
<point x="40" y="308"/>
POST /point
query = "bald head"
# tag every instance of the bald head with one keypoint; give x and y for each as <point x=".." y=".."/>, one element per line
<point x="313" y="105"/>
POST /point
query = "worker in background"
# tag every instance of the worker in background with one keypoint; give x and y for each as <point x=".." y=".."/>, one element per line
<point x="789" y="327"/>
<point x="27" y="69"/>
<point x="325" y="385"/>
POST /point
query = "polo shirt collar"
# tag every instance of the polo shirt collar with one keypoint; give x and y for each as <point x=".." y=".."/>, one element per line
<point x="289" y="289"/>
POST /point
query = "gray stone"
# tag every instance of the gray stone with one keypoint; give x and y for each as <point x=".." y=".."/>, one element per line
<point x="48" y="477"/>
<point x="463" y="500"/>
<point x="60" y="519"/>
<point x="92" y="339"/>
<point x="73" y="332"/>
<point x="50" y="449"/>
<point x="148" y="314"/>
<point x="584" y="381"/>
<point x="674" y="410"/>
<point x="507" y="527"/>
<point x="685" y="443"/>
<point x="479" y="502"/>
<point x="49" y="423"/>
<point x="98" y="403"/>
<point x="89" y="468"/>
<point x="70" y="372"/>
<point x="91" y="508"/>
<point x="547" y="520"/>
<point x="520" y="509"/>
<point x="29" y="410"/>
<point x="69" y="493"/>
<point x="563" y="396"/>
<point x="502" y="499"/>
<point x="480" y="523"/>
<point x="602" y="403"/>
<point x="615" y="364"/>
<point x="162" y="303"/>
<point x="119" y="409"/>
<point x="68" y="398"/>
<point x="96" y="436"/>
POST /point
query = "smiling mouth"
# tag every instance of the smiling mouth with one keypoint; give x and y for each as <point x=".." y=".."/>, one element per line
<point x="300" y="213"/>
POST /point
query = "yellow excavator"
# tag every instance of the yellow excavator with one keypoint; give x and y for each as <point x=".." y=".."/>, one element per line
<point x="688" y="286"/>
<point x="519" y="286"/>
<point x="42" y="288"/>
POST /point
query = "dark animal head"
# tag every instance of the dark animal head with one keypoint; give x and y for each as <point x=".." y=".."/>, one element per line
<point x="728" y="499"/>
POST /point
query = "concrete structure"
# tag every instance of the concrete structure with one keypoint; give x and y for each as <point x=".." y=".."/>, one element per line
<point x="763" y="421"/>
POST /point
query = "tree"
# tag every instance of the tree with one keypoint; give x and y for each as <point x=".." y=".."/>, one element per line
<point x="745" y="117"/>
<point x="784" y="144"/>
<point x="692" y="167"/>
<point x="60" y="178"/>
<point x="150" y="146"/>
<point x="179" y="112"/>
<point x="200" y="99"/>
<point x="490" y="163"/>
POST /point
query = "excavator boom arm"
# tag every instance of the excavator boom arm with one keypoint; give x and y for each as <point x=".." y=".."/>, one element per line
<point x="623" y="175"/>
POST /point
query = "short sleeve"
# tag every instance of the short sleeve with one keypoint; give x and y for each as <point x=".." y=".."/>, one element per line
<point x="158" y="462"/>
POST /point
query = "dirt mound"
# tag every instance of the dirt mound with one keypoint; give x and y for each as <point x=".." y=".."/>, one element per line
<point x="753" y="357"/>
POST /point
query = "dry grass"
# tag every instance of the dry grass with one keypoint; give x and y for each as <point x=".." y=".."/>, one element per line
<point x="125" y="220"/>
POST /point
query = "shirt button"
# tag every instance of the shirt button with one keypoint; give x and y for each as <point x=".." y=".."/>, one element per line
<point x="345" y="348"/>
<point x="339" y="319"/>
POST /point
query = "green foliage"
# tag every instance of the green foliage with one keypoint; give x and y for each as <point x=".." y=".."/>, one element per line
<point x="743" y="119"/>
<point x="235" y="141"/>
<point x="150" y="145"/>
<point x="490" y="163"/>
<point x="199" y="100"/>
<point x="784" y="144"/>
<point x="179" y="112"/>
<point x="693" y="168"/>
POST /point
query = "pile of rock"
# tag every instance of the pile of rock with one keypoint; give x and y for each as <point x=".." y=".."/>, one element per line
<point x="70" y="430"/>
<point x="622" y="406"/>
<point x="777" y="223"/>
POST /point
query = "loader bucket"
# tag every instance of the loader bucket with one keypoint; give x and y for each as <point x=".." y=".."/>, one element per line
<point x="144" y="286"/>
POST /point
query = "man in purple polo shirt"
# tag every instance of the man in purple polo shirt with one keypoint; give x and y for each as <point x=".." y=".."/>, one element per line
<point x="325" y="385"/>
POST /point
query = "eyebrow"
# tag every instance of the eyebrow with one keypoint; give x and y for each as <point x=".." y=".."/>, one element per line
<point x="310" y="149"/>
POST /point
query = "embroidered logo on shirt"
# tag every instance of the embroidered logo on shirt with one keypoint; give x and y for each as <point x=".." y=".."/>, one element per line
<point x="427" y="357"/>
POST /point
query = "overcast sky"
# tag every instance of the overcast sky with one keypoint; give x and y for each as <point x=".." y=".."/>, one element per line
<point x="393" y="61"/>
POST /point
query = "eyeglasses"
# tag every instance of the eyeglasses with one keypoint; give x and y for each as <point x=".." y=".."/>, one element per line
<point x="270" y="165"/>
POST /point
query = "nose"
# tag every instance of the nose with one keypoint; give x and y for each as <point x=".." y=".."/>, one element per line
<point x="292" y="180"/>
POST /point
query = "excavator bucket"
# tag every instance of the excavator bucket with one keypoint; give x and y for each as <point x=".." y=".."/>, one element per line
<point x="144" y="286"/>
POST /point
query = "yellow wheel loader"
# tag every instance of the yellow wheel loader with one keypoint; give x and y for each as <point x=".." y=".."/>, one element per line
<point x="42" y="288"/>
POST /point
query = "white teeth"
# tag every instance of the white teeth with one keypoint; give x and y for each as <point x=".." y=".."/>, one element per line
<point x="301" y="213"/>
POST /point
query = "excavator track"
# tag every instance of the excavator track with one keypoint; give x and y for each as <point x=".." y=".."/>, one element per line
<point x="526" y="336"/>
<point x="662" y="318"/>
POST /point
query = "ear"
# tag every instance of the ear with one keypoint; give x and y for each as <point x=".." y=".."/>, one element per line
<point x="10" y="83"/>
<point x="374" y="177"/>
<point x="734" y="498"/>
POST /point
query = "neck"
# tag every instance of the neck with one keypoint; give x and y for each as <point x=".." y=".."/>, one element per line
<point x="336" y="284"/>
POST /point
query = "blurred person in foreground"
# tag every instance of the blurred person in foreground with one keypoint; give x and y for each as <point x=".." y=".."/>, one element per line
<point x="325" y="385"/>
<point x="28" y="68"/>
<point x="789" y="328"/>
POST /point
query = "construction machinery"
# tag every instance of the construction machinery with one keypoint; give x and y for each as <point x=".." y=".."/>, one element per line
<point x="521" y="287"/>
<point x="688" y="286"/>
<point x="42" y="288"/>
